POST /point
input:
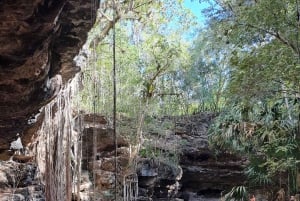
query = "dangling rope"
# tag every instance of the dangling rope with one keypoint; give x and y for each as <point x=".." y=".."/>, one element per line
<point x="94" y="120"/>
<point x="93" y="55"/>
<point x="115" y="97"/>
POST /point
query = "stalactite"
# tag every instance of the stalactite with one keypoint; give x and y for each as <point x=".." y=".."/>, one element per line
<point x="59" y="135"/>
<point x="78" y="158"/>
<point x="130" y="187"/>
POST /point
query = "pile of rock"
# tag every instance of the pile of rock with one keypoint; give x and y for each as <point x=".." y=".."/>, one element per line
<point x="20" y="181"/>
<point x="158" y="180"/>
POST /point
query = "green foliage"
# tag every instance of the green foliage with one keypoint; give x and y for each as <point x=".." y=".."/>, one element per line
<point x="266" y="136"/>
<point x="149" y="152"/>
<point x="159" y="143"/>
<point x="149" y="54"/>
<point x="237" y="193"/>
<point x="258" y="174"/>
<point x="261" y="113"/>
<point x="204" y="82"/>
<point x="265" y="35"/>
<point x="245" y="65"/>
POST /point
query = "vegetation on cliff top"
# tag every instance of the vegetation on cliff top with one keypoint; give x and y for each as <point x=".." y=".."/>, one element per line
<point x="245" y="64"/>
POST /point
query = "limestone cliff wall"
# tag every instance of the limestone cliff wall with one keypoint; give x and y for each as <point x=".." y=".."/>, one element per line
<point x="38" y="42"/>
<point x="182" y="142"/>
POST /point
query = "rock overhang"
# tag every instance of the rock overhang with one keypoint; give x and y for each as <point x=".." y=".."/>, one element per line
<point x="38" y="41"/>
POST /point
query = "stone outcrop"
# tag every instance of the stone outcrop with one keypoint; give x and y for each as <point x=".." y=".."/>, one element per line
<point x="181" y="166"/>
<point x="158" y="180"/>
<point x="98" y="160"/>
<point x="204" y="170"/>
<point x="19" y="181"/>
<point x="38" y="42"/>
<point x="22" y="179"/>
<point x="184" y="141"/>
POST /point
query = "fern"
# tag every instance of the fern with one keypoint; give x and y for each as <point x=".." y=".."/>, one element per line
<point x="237" y="193"/>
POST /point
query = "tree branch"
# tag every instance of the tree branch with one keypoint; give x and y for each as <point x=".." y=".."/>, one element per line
<point x="106" y="30"/>
<point x="104" y="15"/>
<point x="276" y="35"/>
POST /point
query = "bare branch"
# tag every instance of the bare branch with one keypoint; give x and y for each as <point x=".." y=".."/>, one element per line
<point x="106" y="30"/>
<point x="104" y="15"/>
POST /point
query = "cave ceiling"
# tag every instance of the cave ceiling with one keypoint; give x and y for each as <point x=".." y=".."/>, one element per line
<point x="38" y="42"/>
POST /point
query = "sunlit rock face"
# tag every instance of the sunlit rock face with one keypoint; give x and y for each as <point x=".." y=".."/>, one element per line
<point x="38" y="41"/>
<point x="98" y="168"/>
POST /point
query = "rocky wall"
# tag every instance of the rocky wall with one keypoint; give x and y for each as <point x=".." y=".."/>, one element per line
<point x="182" y="143"/>
<point x="38" y="42"/>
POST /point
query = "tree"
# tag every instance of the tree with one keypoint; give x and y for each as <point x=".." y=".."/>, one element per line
<point x="262" y="113"/>
<point x="205" y="80"/>
<point x="150" y="51"/>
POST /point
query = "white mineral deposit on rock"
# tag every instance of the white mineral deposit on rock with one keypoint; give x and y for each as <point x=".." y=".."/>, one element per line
<point x="17" y="144"/>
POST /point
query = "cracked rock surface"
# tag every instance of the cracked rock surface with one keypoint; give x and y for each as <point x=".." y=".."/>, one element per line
<point x="38" y="41"/>
<point x="205" y="172"/>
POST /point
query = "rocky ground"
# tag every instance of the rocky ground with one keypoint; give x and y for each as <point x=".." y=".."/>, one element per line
<point x="174" y="164"/>
<point x="20" y="182"/>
